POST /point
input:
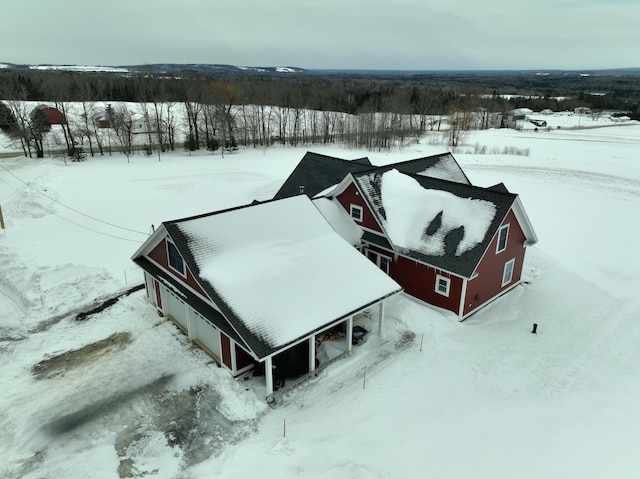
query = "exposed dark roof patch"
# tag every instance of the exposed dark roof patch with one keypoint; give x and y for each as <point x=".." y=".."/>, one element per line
<point x="317" y="172"/>
<point x="442" y="166"/>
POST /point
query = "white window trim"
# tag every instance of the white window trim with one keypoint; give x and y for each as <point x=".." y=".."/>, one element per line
<point x="357" y="208"/>
<point x="182" y="273"/>
<point x="447" y="282"/>
<point x="389" y="260"/>
<point x="506" y="241"/>
<point x="378" y="259"/>
<point x="511" y="262"/>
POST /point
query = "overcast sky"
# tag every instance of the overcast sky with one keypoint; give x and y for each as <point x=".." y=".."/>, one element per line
<point x="352" y="34"/>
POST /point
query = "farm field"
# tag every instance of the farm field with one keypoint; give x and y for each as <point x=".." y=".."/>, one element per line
<point x="124" y="394"/>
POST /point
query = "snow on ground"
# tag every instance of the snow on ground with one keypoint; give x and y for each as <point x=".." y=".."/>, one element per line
<point x="124" y="394"/>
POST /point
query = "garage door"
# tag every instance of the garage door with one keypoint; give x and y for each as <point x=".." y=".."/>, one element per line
<point x="175" y="307"/>
<point x="207" y="333"/>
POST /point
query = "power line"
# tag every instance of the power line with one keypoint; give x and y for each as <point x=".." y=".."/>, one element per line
<point x="73" y="209"/>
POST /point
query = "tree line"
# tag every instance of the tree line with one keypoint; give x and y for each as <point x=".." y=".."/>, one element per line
<point x="158" y="113"/>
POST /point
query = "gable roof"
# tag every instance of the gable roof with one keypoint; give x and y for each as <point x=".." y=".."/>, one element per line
<point x="316" y="172"/>
<point x="446" y="224"/>
<point x="271" y="276"/>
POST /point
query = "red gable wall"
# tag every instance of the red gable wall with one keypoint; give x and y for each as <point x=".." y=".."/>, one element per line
<point x="488" y="282"/>
<point x="159" y="255"/>
<point x="351" y="196"/>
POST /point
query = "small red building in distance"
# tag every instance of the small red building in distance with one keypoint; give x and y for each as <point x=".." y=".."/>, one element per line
<point x="53" y="115"/>
<point x="446" y="242"/>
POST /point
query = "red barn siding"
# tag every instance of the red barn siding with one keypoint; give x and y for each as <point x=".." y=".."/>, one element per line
<point x="488" y="282"/>
<point x="243" y="358"/>
<point x="225" y="342"/>
<point x="419" y="281"/>
<point x="158" y="295"/>
<point x="159" y="255"/>
<point x="56" y="117"/>
<point x="351" y="196"/>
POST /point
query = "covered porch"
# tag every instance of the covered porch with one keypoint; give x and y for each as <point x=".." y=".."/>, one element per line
<point x="286" y="369"/>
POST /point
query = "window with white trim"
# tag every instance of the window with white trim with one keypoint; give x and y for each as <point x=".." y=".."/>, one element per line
<point x="381" y="261"/>
<point x="503" y="236"/>
<point x="507" y="274"/>
<point x="356" y="212"/>
<point x="443" y="284"/>
<point x="175" y="260"/>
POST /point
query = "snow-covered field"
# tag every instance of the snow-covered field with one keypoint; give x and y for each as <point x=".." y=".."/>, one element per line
<point x="123" y="393"/>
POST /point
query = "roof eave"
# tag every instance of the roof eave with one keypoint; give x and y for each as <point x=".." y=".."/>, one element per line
<point x="525" y="222"/>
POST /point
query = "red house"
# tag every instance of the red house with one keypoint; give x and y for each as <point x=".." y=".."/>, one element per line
<point x="446" y="242"/>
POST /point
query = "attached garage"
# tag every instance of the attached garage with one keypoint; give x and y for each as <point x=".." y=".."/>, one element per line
<point x="206" y="334"/>
<point x="265" y="289"/>
<point x="175" y="308"/>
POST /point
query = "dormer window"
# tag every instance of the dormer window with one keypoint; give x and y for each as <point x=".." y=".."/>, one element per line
<point x="175" y="260"/>
<point x="503" y="235"/>
<point x="356" y="212"/>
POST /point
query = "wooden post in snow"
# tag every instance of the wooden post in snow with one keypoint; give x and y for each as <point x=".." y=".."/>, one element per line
<point x="1" y="218"/>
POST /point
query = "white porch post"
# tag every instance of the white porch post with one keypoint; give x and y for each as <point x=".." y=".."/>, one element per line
<point x="191" y="330"/>
<point x="312" y="353"/>
<point x="268" y="374"/>
<point x="349" y="334"/>
<point x="381" y="318"/>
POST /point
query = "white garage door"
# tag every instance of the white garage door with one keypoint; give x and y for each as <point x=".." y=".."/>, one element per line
<point x="207" y="334"/>
<point x="174" y="307"/>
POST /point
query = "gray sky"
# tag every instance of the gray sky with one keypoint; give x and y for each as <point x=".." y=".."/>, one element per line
<point x="371" y="34"/>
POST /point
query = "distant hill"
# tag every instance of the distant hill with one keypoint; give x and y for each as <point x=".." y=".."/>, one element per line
<point x="178" y="69"/>
<point x="173" y="69"/>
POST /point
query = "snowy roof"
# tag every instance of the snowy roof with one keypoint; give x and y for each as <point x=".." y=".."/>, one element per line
<point x="341" y="223"/>
<point x="442" y="166"/>
<point x="443" y="223"/>
<point x="277" y="270"/>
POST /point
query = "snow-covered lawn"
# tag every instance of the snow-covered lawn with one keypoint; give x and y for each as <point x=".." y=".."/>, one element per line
<point x="124" y="393"/>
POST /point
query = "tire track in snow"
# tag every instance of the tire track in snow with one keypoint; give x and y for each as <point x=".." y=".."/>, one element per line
<point x="617" y="184"/>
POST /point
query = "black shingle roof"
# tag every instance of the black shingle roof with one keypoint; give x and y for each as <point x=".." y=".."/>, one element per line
<point x="317" y="172"/>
